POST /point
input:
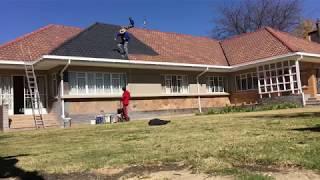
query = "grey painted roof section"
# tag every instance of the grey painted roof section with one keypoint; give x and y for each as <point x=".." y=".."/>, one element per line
<point x="97" y="41"/>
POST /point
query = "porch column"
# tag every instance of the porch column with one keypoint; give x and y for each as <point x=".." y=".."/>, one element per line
<point x="298" y="76"/>
<point x="300" y="91"/>
<point x="61" y="95"/>
<point x="259" y="89"/>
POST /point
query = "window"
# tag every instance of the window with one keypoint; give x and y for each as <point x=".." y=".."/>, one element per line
<point x="277" y="78"/>
<point x="96" y="83"/>
<point x="216" y="84"/>
<point x="175" y="84"/>
<point x="6" y="94"/>
<point x="246" y="81"/>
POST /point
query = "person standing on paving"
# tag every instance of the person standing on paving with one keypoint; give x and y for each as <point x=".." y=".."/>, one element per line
<point x="125" y="102"/>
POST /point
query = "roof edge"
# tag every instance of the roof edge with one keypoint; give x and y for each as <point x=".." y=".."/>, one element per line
<point x="271" y="31"/>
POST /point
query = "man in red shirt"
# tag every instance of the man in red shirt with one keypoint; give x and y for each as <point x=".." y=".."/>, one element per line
<point x="125" y="102"/>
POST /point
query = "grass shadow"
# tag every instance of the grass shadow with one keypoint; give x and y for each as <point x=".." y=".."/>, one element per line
<point x="316" y="128"/>
<point x="291" y="115"/>
<point x="8" y="169"/>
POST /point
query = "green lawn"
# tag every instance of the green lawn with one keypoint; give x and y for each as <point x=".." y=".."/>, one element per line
<point x="220" y="144"/>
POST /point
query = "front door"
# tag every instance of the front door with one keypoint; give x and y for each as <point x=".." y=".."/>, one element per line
<point x="18" y="94"/>
<point x="41" y="81"/>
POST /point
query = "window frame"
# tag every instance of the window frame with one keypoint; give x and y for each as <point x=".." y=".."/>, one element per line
<point x="220" y="79"/>
<point x="244" y="76"/>
<point x="185" y="88"/>
<point x="278" y="77"/>
<point x="93" y="91"/>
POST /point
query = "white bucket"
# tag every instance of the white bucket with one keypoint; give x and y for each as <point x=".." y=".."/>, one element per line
<point x="93" y="122"/>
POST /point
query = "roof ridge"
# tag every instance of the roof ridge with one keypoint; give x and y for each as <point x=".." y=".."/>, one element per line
<point x="273" y="33"/>
<point x="300" y="38"/>
<point x="155" y="30"/>
<point x="224" y="53"/>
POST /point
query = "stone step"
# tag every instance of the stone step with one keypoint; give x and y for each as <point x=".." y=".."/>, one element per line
<point x="313" y="103"/>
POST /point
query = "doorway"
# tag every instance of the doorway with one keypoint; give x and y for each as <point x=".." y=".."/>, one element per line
<point x="18" y="94"/>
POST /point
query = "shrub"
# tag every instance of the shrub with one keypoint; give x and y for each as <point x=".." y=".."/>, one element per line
<point x="249" y="108"/>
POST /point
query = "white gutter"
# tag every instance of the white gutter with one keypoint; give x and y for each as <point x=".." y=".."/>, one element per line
<point x="9" y="62"/>
<point x="62" y="88"/>
<point x="198" y="85"/>
<point x="308" y="54"/>
<point x="140" y="62"/>
<point x="137" y="62"/>
<point x="264" y="60"/>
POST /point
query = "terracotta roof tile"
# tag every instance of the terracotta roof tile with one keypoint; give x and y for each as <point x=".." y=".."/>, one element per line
<point x="253" y="46"/>
<point x="39" y="42"/>
<point x="296" y="44"/>
<point x="179" y="48"/>
<point x="150" y="45"/>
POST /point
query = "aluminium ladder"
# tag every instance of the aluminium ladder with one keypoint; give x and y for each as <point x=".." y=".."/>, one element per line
<point x="34" y="95"/>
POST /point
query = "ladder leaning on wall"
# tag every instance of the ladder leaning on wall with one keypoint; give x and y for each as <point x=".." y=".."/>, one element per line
<point x="34" y="95"/>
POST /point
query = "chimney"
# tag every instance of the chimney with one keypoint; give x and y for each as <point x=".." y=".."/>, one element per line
<point x="318" y="27"/>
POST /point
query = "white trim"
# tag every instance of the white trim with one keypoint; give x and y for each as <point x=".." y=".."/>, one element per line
<point x="14" y="62"/>
<point x="138" y="62"/>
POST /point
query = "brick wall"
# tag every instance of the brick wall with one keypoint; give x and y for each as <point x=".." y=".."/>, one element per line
<point x="296" y="99"/>
<point x="309" y="79"/>
<point x="244" y="97"/>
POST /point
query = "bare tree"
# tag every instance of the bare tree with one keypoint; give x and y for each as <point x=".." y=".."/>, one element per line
<point x="250" y="15"/>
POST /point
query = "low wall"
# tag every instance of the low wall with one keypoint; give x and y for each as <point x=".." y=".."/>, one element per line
<point x="244" y="97"/>
<point x="296" y="99"/>
<point x="4" y="118"/>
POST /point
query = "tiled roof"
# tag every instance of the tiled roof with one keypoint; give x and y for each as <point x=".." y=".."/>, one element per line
<point x="149" y="45"/>
<point x="179" y="48"/>
<point x="253" y="46"/>
<point x="296" y="44"/>
<point x="38" y="43"/>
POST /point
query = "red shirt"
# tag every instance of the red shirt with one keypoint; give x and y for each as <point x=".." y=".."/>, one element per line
<point x="125" y="98"/>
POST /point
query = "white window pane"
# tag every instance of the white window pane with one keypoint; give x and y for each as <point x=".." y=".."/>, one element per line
<point x="91" y="83"/>
<point x="107" y="83"/>
<point x="115" y="83"/>
<point x="73" y="83"/>
<point x="81" y="81"/>
<point x="123" y="81"/>
<point x="99" y="83"/>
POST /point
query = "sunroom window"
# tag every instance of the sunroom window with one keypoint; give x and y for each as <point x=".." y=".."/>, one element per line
<point x="216" y="84"/>
<point x="278" y="78"/>
<point x="175" y="84"/>
<point x="246" y="81"/>
<point x="82" y="83"/>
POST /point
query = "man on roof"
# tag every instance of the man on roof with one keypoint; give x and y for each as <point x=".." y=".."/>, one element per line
<point x="124" y="37"/>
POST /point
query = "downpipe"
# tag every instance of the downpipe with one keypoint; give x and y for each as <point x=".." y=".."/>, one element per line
<point x="198" y="88"/>
<point x="62" y="89"/>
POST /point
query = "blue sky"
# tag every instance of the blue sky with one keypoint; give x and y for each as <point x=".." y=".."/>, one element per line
<point x="194" y="17"/>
